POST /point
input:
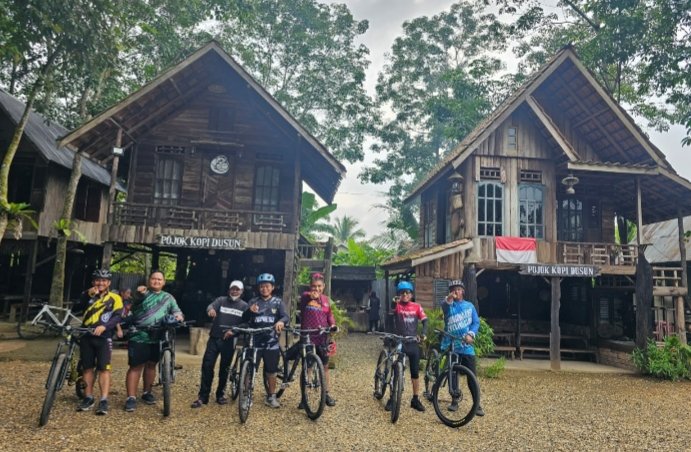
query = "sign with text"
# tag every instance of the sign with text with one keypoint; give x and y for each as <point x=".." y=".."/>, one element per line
<point x="560" y="270"/>
<point x="216" y="243"/>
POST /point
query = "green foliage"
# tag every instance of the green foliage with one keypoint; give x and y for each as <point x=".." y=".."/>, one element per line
<point x="495" y="369"/>
<point x="18" y="213"/>
<point x="303" y="278"/>
<point x="140" y="263"/>
<point x="484" y="341"/>
<point x="435" y="321"/>
<point x="312" y="216"/>
<point x="344" y="229"/>
<point x="672" y="361"/>
<point x="362" y="254"/>
<point x="66" y="228"/>
<point x="343" y="322"/>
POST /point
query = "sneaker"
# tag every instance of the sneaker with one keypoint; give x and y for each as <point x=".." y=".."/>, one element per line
<point x="272" y="401"/>
<point x="223" y="400"/>
<point x="148" y="398"/>
<point x="454" y="405"/>
<point x="130" y="404"/>
<point x="330" y="401"/>
<point x="479" y="412"/>
<point x="301" y="405"/>
<point x="387" y="407"/>
<point x="102" y="408"/>
<point x="416" y="404"/>
<point x="198" y="403"/>
<point x="86" y="404"/>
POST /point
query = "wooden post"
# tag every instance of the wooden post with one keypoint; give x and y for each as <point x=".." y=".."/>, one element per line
<point x="110" y="211"/>
<point x="387" y="303"/>
<point x="181" y="266"/>
<point x="639" y="215"/>
<point x="155" y="255"/>
<point x="328" y="257"/>
<point x="288" y="280"/>
<point x="644" y="299"/>
<point x="555" y="332"/>
<point x="471" y="287"/>
<point x="681" y="301"/>
<point x="29" y="277"/>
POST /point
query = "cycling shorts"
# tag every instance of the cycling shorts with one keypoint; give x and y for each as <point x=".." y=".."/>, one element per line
<point x="270" y="358"/>
<point x="139" y="353"/>
<point x="412" y="349"/>
<point x="96" y="352"/>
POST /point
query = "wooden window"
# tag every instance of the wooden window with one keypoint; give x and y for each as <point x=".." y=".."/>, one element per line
<point x="531" y="177"/>
<point x="429" y="215"/>
<point x="531" y="210"/>
<point x="168" y="180"/>
<point x="490" y="174"/>
<point x="19" y="183"/>
<point x="490" y="205"/>
<point x="87" y="202"/>
<point x="221" y="119"/>
<point x="266" y="188"/>
<point x="570" y="220"/>
<point x="512" y="137"/>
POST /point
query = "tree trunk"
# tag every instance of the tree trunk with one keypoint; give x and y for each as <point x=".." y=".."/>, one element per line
<point x="58" y="285"/>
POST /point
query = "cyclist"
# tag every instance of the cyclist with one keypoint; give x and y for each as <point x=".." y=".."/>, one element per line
<point x="407" y="314"/>
<point x="315" y="312"/>
<point x="267" y="310"/>
<point x="150" y="305"/>
<point x="226" y="312"/>
<point x="102" y="309"/>
<point x="461" y="319"/>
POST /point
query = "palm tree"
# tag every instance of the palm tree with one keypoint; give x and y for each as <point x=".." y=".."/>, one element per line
<point x="312" y="216"/>
<point x="344" y="229"/>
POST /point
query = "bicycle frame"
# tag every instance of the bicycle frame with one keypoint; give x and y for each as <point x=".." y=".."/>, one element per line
<point x="47" y="311"/>
<point x="306" y="348"/>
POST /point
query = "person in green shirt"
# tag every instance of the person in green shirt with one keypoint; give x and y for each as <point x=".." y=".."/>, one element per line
<point x="151" y="304"/>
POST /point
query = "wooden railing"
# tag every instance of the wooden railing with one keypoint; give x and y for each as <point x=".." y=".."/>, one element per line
<point x="601" y="254"/>
<point x="178" y="217"/>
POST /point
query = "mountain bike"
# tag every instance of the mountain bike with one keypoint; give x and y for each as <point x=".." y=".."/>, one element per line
<point x="60" y="367"/>
<point x="454" y="405"/>
<point x="391" y="366"/>
<point x="312" y="376"/>
<point x="248" y="369"/>
<point x="434" y="362"/>
<point x="44" y="319"/>
<point x="165" y="333"/>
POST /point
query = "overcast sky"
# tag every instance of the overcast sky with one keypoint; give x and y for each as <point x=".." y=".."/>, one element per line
<point x="385" y="24"/>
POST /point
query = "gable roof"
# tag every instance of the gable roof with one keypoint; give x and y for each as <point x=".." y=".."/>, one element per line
<point x="421" y="256"/>
<point x="178" y="85"/>
<point x="663" y="241"/>
<point x="43" y="134"/>
<point x="637" y="148"/>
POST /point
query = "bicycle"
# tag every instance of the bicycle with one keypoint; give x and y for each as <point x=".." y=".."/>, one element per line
<point x="234" y="369"/>
<point x="453" y="407"/>
<point x="391" y="366"/>
<point x="165" y="331"/>
<point x="47" y="318"/>
<point x="248" y="369"/>
<point x="62" y="362"/>
<point x="312" y="375"/>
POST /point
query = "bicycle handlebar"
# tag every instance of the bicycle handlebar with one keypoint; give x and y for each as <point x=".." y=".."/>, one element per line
<point x="159" y="326"/>
<point x="75" y="330"/>
<point x="265" y="329"/>
<point x="452" y="336"/>
<point x="319" y="331"/>
<point x="396" y="337"/>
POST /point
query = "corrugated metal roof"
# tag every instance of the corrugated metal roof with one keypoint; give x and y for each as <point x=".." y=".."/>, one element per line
<point x="44" y="135"/>
<point x="407" y="259"/>
<point x="663" y="240"/>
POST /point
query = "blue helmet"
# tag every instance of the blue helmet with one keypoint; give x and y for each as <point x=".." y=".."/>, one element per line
<point x="404" y="285"/>
<point x="266" y="277"/>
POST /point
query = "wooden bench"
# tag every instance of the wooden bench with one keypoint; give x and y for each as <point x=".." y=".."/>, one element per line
<point x="575" y="351"/>
<point x="510" y="350"/>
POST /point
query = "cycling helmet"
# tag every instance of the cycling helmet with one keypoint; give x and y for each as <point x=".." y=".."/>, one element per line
<point x="404" y="285"/>
<point x="456" y="283"/>
<point x="102" y="273"/>
<point x="266" y="277"/>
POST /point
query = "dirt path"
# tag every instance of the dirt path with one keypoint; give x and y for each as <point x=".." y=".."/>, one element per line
<point x="525" y="410"/>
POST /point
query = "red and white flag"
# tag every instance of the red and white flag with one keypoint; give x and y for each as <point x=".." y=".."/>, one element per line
<point x="516" y="250"/>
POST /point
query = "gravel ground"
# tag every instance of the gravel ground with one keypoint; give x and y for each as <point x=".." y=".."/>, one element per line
<point x="535" y="410"/>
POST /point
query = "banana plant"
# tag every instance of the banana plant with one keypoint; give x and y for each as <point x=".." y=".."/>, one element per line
<point x="18" y="213"/>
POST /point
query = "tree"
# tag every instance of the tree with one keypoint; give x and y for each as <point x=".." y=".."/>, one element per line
<point x="312" y="216"/>
<point x="41" y="39"/>
<point x="305" y="54"/>
<point x="345" y="229"/>
<point x="439" y="82"/>
<point x="361" y="254"/>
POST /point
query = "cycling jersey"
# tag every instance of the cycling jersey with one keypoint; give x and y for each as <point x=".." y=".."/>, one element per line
<point x="104" y="310"/>
<point x="270" y="312"/>
<point x="460" y="318"/>
<point x="407" y="316"/>
<point x="316" y="314"/>
<point x="228" y="313"/>
<point x="149" y="311"/>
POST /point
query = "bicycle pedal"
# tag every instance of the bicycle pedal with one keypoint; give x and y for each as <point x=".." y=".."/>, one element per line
<point x="285" y="385"/>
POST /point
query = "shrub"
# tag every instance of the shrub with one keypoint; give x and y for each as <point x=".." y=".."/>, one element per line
<point x="672" y="361"/>
<point x="495" y="369"/>
<point x="484" y="341"/>
<point x="343" y="322"/>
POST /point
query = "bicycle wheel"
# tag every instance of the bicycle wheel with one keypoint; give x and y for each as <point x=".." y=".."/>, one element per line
<point x="381" y="375"/>
<point x="431" y="373"/>
<point x="396" y="391"/>
<point x="234" y="376"/>
<point x="245" y="390"/>
<point x="312" y="386"/>
<point x="52" y="387"/>
<point x="166" y="379"/>
<point x="456" y="396"/>
<point x="281" y="375"/>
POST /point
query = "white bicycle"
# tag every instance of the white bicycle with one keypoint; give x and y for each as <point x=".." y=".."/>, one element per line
<point x="45" y="318"/>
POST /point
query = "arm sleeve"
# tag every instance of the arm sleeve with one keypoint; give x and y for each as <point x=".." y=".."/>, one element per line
<point x="173" y="307"/>
<point x="116" y="315"/>
<point x="215" y="305"/>
<point x="330" y="315"/>
<point x="475" y="324"/>
<point x="247" y="314"/>
<point x="282" y="314"/>
<point x="82" y="303"/>
<point x="425" y="323"/>
<point x="445" y="309"/>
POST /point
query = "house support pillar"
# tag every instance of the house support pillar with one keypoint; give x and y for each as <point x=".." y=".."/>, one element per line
<point x="328" y="257"/>
<point x="29" y="276"/>
<point x="110" y="211"/>
<point x="682" y="300"/>
<point x="644" y="299"/>
<point x="555" y="332"/>
<point x="289" y="280"/>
